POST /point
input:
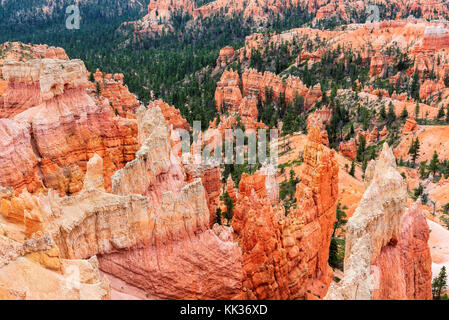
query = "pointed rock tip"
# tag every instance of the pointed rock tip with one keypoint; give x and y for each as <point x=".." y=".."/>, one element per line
<point x="315" y="134"/>
<point x="387" y="156"/>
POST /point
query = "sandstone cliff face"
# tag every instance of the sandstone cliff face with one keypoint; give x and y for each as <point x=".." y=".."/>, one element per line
<point x="172" y="115"/>
<point x="273" y="261"/>
<point x="385" y="247"/>
<point x="255" y="84"/>
<point x="225" y="56"/>
<point x="210" y="175"/>
<point x="26" y="279"/>
<point x="35" y="81"/>
<point x="161" y="237"/>
<point x="317" y="202"/>
<point x="156" y="169"/>
<point x="231" y="100"/>
<point x="410" y="126"/>
<point x="112" y="88"/>
<point x="348" y="148"/>
<point x="271" y="270"/>
<point x="90" y="223"/>
<point x="17" y="50"/>
<point x="18" y="162"/>
<point x="231" y="105"/>
<point x="227" y="94"/>
<point x="286" y="257"/>
<point x="34" y="268"/>
<point x="181" y="240"/>
<point x="406" y="272"/>
<point x="65" y="126"/>
<point x="186" y="260"/>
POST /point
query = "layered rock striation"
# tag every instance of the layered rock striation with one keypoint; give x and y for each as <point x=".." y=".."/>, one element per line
<point x="181" y="239"/>
<point x="387" y="256"/>
<point x="65" y="127"/>
<point x="285" y="257"/>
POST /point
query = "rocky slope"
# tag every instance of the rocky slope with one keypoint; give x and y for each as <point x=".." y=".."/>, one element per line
<point x="161" y="12"/>
<point x="387" y="256"/>
<point x="62" y="127"/>
<point x="93" y="184"/>
<point x="286" y="257"/>
<point x="112" y="88"/>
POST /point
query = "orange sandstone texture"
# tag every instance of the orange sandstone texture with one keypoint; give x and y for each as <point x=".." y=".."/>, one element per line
<point x="120" y="99"/>
<point x="160" y="11"/>
<point x="64" y="128"/>
<point x="405" y="267"/>
<point x="348" y="149"/>
<point x="227" y="94"/>
<point x="196" y="261"/>
<point x="410" y="126"/>
<point x="255" y="84"/>
<point x="210" y="176"/>
<point x="171" y="115"/>
<point x="18" y="162"/>
<point x="317" y="200"/>
<point x="225" y="56"/>
<point x="284" y="257"/>
<point x="387" y="255"/>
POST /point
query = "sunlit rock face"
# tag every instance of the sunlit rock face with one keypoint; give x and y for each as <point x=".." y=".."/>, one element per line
<point x="111" y="87"/>
<point x="317" y="200"/>
<point x="62" y="126"/>
<point x="47" y="239"/>
<point x="181" y="241"/>
<point x="18" y="162"/>
<point x="285" y="257"/>
<point x="387" y="256"/>
<point x="32" y="82"/>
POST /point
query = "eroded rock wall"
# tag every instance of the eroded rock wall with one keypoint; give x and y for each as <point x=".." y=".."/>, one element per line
<point x="387" y="256"/>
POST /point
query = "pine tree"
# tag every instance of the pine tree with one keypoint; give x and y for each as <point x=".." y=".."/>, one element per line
<point x="218" y="216"/>
<point x="417" y="110"/>
<point x="351" y="130"/>
<point x="391" y="117"/>
<point x="447" y="115"/>
<point x="414" y="90"/>
<point x="218" y="119"/>
<point x="422" y="169"/>
<point x="382" y="113"/>
<point x="433" y="166"/>
<point x="361" y="148"/>
<point x="98" y="88"/>
<point x="414" y="150"/>
<point x="352" y="171"/>
<point x="333" y="253"/>
<point x="439" y="284"/>
<point x="440" y="113"/>
<point x="341" y="215"/>
<point x="229" y="207"/>
<point x="404" y="113"/>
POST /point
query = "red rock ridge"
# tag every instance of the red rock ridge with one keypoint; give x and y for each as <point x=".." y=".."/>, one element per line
<point x="285" y="257"/>
<point x="171" y="114"/>
<point x="225" y="56"/>
<point x="197" y="262"/>
<point x="255" y="84"/>
<point x="18" y="162"/>
<point x="387" y="255"/>
<point x="317" y="202"/>
<point x="65" y="126"/>
<point x="112" y="88"/>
